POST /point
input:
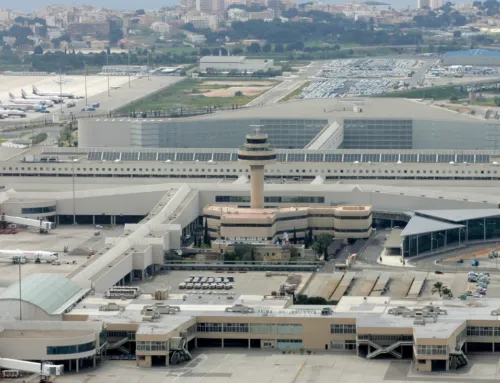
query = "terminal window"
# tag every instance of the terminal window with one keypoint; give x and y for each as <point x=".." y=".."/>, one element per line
<point x="431" y="350"/>
<point x="343" y="329"/>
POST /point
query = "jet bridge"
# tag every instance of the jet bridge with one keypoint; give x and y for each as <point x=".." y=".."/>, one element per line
<point x="42" y="225"/>
<point x="43" y="369"/>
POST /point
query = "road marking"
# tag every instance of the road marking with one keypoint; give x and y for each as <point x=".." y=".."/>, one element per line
<point x="298" y="373"/>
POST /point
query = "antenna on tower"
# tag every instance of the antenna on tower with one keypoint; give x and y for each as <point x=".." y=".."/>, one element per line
<point x="256" y="128"/>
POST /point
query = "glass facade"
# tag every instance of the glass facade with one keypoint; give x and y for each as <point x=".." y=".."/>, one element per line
<point x="377" y="134"/>
<point x="432" y="350"/>
<point x="480" y="229"/>
<point x="38" y="210"/>
<point x="63" y="350"/>
<point x="289" y="344"/>
<point x="483" y="331"/>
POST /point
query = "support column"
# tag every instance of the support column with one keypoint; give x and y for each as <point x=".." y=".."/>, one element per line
<point x="77" y="362"/>
<point x="222" y="345"/>
<point x="93" y="220"/>
<point x="196" y="342"/>
<point x="143" y="274"/>
<point x="257" y="186"/>
<point x="249" y="345"/>
<point x="69" y="364"/>
<point x="94" y="360"/>
<point x="493" y="347"/>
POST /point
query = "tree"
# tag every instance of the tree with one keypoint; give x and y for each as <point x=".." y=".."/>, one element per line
<point x="206" y="238"/>
<point x="205" y="52"/>
<point x="238" y="93"/>
<point x="453" y="98"/>
<point x="254" y="48"/>
<point x="457" y="34"/>
<point x="279" y="48"/>
<point x="294" y="238"/>
<point x="38" y="50"/>
<point x="320" y="246"/>
<point x="438" y="288"/>
<point x="446" y="292"/>
<point x="496" y="100"/>
<point x="237" y="51"/>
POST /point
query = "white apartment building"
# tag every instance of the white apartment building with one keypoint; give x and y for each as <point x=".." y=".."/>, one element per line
<point x="202" y="21"/>
<point x="4" y="15"/>
<point x="436" y="3"/>
<point x="160" y="27"/>
<point x="423" y="3"/>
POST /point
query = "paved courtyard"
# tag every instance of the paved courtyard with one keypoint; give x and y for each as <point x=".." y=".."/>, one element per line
<point x="216" y="366"/>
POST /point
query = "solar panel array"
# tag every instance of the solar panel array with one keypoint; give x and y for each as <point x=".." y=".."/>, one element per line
<point x="291" y="156"/>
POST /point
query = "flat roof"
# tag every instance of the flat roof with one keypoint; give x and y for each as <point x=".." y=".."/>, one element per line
<point x="336" y="109"/>
<point x="421" y="225"/>
<point x="394" y="239"/>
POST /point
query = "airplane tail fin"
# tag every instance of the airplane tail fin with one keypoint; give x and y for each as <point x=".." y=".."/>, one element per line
<point x="23" y="93"/>
<point x="35" y="90"/>
<point x="11" y="96"/>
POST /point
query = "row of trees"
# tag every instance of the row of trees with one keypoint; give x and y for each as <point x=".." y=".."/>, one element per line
<point x="54" y="61"/>
<point x="442" y="290"/>
<point x="337" y="29"/>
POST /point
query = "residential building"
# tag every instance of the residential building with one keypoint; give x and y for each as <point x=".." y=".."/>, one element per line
<point x="423" y="3"/>
<point x="202" y="21"/>
<point x="160" y="27"/>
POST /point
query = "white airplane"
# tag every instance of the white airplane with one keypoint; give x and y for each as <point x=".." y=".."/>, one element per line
<point x="15" y="100"/>
<point x="54" y="99"/>
<point x="45" y="94"/>
<point x="5" y="113"/>
<point x="35" y="107"/>
<point x="21" y="256"/>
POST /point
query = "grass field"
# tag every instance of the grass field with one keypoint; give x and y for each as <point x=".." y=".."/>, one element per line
<point x="189" y="93"/>
<point x="292" y="95"/>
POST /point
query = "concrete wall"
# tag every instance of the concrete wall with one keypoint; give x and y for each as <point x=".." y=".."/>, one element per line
<point x="15" y="207"/>
<point x="10" y="308"/>
<point x="32" y="347"/>
<point x="106" y="132"/>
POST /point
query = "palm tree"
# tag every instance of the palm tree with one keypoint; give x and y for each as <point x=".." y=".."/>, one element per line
<point x="438" y="288"/>
<point x="446" y="292"/>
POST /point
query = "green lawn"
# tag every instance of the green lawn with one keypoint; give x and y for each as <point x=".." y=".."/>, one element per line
<point x="437" y="93"/>
<point x="181" y="95"/>
<point x="292" y="95"/>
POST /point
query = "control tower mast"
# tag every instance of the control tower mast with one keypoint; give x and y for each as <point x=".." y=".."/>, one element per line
<point x="257" y="154"/>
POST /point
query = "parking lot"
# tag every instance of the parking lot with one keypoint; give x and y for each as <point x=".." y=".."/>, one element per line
<point x="249" y="283"/>
<point x="216" y="366"/>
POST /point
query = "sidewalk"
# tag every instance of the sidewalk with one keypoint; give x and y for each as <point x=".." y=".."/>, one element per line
<point x="392" y="260"/>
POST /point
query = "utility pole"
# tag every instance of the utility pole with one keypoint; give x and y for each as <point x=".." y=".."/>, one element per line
<point x="60" y="88"/>
<point x="86" y="74"/>
<point x="148" y="63"/>
<point x="74" y="206"/>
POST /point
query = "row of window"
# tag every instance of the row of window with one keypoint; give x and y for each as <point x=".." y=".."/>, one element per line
<point x="483" y="331"/>
<point x="63" y="350"/>
<point x="386" y="337"/>
<point x="38" y="210"/>
<point x="122" y="334"/>
<point x="432" y="350"/>
<point x="250" y="328"/>
<point x="343" y="329"/>
<point x="151" y="346"/>
<point x="347" y="345"/>
<point x="284" y="171"/>
<point x="270" y="199"/>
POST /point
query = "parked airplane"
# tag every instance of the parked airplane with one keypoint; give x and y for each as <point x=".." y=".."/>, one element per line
<point x="15" y="100"/>
<point x="35" y="107"/>
<point x="5" y="113"/>
<point x="20" y="256"/>
<point x="39" y="93"/>
<point x="54" y="99"/>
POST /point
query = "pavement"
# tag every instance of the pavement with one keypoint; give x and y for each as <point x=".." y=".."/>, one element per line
<point x="248" y="366"/>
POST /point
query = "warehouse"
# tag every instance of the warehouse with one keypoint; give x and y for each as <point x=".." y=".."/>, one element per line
<point x="234" y="63"/>
<point x="476" y="57"/>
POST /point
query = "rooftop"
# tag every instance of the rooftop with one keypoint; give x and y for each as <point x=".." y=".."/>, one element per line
<point x="473" y="52"/>
<point x="50" y="292"/>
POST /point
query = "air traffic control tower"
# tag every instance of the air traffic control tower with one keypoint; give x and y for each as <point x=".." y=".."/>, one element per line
<point x="257" y="154"/>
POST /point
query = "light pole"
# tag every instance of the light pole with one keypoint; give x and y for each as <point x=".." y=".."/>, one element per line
<point x="75" y="160"/>
<point x="60" y="88"/>
<point x="107" y="65"/>
<point x="129" y="68"/>
<point x="147" y="50"/>
<point x="20" y="292"/>
<point x="86" y="74"/>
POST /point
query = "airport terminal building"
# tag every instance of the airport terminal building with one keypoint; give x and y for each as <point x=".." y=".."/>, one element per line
<point x="375" y="123"/>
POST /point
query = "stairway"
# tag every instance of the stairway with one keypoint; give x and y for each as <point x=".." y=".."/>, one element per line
<point x="457" y="360"/>
<point x="117" y="344"/>
<point x="386" y="350"/>
<point x="181" y="354"/>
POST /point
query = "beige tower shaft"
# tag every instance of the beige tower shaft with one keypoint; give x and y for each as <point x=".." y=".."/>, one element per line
<point x="257" y="186"/>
